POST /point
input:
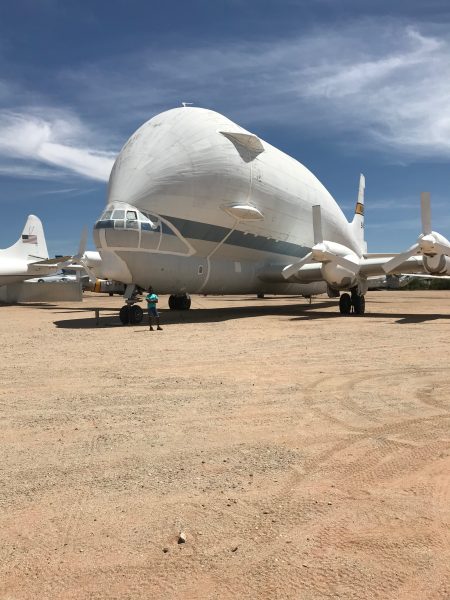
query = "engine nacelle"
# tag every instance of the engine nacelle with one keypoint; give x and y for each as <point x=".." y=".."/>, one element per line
<point x="105" y="286"/>
<point x="439" y="264"/>
<point x="339" y="277"/>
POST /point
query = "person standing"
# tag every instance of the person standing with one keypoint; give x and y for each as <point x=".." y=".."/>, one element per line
<point x="152" y="300"/>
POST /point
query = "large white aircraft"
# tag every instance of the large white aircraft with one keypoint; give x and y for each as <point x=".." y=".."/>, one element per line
<point x="197" y="204"/>
<point x="28" y="257"/>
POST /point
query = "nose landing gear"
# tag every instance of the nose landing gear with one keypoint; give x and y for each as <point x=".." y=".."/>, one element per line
<point x="131" y="315"/>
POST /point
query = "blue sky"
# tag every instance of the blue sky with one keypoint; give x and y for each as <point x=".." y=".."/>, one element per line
<point x="345" y="87"/>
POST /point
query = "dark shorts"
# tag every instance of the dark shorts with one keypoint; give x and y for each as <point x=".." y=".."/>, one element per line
<point x="152" y="311"/>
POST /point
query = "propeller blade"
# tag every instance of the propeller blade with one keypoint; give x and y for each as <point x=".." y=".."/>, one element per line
<point x="83" y="241"/>
<point x="317" y="224"/>
<point x="425" y="211"/>
<point x="362" y="185"/>
<point x="442" y="248"/>
<point x="400" y="258"/>
<point x="90" y="273"/>
<point x="294" y="268"/>
<point x="342" y="262"/>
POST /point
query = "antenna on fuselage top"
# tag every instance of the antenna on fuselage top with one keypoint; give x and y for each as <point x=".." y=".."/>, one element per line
<point x="187" y="104"/>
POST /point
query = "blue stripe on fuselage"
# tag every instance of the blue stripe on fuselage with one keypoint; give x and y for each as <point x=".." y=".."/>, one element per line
<point x="206" y="232"/>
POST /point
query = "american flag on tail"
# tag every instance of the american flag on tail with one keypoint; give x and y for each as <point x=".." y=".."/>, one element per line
<point x="29" y="239"/>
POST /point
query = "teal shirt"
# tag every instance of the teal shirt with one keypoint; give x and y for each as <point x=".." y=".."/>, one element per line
<point x="152" y="299"/>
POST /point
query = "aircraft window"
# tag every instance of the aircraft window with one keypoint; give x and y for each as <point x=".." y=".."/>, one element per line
<point x="119" y="224"/>
<point x="131" y="215"/>
<point x="132" y="224"/>
<point x="119" y="214"/>
<point x="107" y="215"/>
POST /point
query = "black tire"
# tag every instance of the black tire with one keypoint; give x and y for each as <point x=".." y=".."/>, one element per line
<point x="185" y="302"/>
<point x="40" y="281"/>
<point x="136" y="314"/>
<point x="179" y="302"/>
<point x="260" y="295"/>
<point x="359" y="305"/>
<point x="173" y="302"/>
<point x="345" y="304"/>
<point x="124" y="315"/>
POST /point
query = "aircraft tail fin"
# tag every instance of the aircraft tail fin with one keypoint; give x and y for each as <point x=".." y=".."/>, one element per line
<point x="31" y="245"/>
<point x="357" y="225"/>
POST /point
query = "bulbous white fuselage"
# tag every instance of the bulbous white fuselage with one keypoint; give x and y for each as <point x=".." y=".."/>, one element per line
<point x="198" y="204"/>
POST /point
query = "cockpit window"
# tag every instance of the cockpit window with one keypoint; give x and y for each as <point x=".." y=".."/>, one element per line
<point x="106" y="215"/>
<point x="131" y="215"/>
<point x="119" y="214"/>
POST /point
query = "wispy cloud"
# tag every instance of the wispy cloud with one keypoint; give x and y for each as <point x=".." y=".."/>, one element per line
<point x="52" y="141"/>
<point x="379" y="84"/>
<point x="384" y="84"/>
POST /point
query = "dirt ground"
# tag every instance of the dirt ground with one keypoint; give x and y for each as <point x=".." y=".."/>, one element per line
<point x="302" y="454"/>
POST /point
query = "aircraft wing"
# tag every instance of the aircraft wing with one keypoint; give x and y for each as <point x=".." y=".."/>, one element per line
<point x="368" y="267"/>
<point x="50" y="262"/>
<point x="373" y="267"/>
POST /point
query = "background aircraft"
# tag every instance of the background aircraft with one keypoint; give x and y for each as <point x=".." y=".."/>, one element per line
<point x="198" y="204"/>
<point x="28" y="257"/>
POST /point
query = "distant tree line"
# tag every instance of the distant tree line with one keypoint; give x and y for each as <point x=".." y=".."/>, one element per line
<point x="428" y="284"/>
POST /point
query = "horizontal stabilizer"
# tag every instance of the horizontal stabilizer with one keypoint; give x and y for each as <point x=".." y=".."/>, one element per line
<point x="49" y="262"/>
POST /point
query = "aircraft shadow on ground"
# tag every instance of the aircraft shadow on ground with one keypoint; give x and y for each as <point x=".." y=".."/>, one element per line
<point x="399" y="319"/>
<point x="296" y="312"/>
<point x="197" y="315"/>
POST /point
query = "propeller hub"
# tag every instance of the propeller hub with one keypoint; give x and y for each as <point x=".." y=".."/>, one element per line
<point x="427" y="244"/>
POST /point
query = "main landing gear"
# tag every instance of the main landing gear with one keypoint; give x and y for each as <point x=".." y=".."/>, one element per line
<point x="354" y="302"/>
<point x="179" y="302"/>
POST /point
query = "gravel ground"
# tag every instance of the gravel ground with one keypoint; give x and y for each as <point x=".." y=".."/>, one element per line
<point x="298" y="453"/>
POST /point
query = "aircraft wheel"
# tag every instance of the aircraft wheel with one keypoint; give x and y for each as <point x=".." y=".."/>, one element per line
<point x="179" y="302"/>
<point x="359" y="305"/>
<point x="345" y="304"/>
<point x="136" y="314"/>
<point x="131" y="315"/>
<point x="260" y="296"/>
<point x="185" y="303"/>
<point x="124" y="315"/>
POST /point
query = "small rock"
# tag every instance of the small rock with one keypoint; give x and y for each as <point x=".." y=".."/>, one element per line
<point x="182" y="538"/>
<point x="329" y="503"/>
<point x="234" y="548"/>
<point x="165" y="549"/>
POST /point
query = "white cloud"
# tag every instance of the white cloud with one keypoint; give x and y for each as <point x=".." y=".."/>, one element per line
<point x="400" y="97"/>
<point x="57" y="142"/>
<point x="377" y="82"/>
<point x="381" y="84"/>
